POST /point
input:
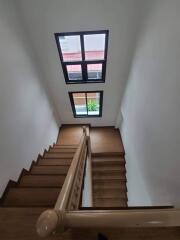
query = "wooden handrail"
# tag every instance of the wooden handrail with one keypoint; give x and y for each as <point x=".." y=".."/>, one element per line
<point x="69" y="196"/>
<point x="125" y="218"/>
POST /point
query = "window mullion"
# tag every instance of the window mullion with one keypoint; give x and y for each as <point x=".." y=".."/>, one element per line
<point x="84" y="68"/>
<point x="86" y="104"/>
<point x="82" y="47"/>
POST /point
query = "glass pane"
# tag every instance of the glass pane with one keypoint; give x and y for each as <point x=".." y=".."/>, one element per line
<point x="74" y="72"/>
<point x="80" y="103"/>
<point x="94" y="71"/>
<point x="93" y="103"/>
<point x="71" y="48"/>
<point x="94" y="45"/>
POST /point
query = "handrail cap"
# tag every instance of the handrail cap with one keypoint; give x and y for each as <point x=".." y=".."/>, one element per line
<point x="47" y="223"/>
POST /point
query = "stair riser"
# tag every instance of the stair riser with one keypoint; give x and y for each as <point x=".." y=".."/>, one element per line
<point x="109" y="204"/>
<point x="115" y="194"/>
<point x="109" y="181"/>
<point x="108" y="169"/>
<point x="49" y="170"/>
<point x="59" y="155"/>
<point x="109" y="177"/>
<point x="110" y="154"/>
<point x="42" y="181"/>
<point x="31" y="197"/>
<point x="65" y="146"/>
<point x="108" y="164"/>
<point x="62" y="150"/>
<point x="55" y="162"/>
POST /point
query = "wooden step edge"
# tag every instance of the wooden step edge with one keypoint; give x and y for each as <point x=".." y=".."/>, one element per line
<point x="66" y="145"/>
<point x="57" y="158"/>
<point x="50" y="157"/>
<point x="108" y="170"/>
<point x="46" y="174"/>
<point x="108" y="174"/>
<point x="110" y="198"/>
<point x="35" y="187"/>
<point x="20" y="187"/>
<point x="121" y="204"/>
<point x="114" y="176"/>
<point x="64" y="148"/>
<point x="58" y="165"/>
<point x="111" y="162"/>
<point x="49" y="174"/>
<point x="128" y="208"/>
<point x="27" y="206"/>
<point x="122" y="190"/>
<point x="105" y="154"/>
<point x="111" y="188"/>
<point x="121" y="179"/>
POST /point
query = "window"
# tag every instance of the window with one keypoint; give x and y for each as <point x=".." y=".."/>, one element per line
<point x="86" y="104"/>
<point x="83" y="55"/>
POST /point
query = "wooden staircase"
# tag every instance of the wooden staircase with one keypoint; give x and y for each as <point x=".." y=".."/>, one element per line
<point x="109" y="181"/>
<point x="36" y="190"/>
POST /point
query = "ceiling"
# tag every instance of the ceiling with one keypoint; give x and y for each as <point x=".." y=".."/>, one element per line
<point x="122" y="18"/>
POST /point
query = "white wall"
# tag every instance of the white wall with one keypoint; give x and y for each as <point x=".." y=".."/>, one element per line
<point x="43" y="18"/>
<point x="27" y="122"/>
<point x="151" y="110"/>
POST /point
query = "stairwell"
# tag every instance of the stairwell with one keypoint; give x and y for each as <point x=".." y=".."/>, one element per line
<point x="37" y="189"/>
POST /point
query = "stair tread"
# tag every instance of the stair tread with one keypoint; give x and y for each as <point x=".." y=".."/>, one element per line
<point x="31" y="197"/>
<point x="42" y="181"/>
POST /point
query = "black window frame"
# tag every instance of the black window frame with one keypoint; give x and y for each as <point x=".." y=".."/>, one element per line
<point x="86" y="116"/>
<point x="83" y="62"/>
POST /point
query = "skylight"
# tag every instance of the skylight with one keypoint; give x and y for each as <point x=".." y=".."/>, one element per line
<point x="86" y="104"/>
<point x="83" y="55"/>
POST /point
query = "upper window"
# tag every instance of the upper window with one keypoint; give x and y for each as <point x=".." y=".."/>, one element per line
<point x="86" y="104"/>
<point x="83" y="55"/>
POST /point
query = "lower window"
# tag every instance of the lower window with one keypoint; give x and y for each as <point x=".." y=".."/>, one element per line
<point x="86" y="104"/>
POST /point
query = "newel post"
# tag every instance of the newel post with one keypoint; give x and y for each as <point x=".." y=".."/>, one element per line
<point x="49" y="221"/>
